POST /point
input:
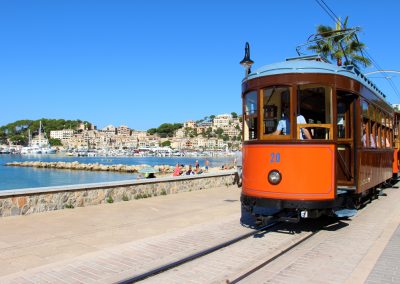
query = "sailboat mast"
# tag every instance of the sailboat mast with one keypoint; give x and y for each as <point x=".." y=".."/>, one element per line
<point x="40" y="134"/>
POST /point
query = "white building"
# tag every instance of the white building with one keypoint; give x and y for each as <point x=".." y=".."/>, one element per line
<point x="180" y="133"/>
<point x="61" y="134"/>
<point x="110" y="129"/>
<point x="123" y="130"/>
<point x="222" y="120"/>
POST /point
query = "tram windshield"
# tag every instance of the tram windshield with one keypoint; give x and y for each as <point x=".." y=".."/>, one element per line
<point x="250" y="116"/>
<point x="315" y="106"/>
<point x="276" y="111"/>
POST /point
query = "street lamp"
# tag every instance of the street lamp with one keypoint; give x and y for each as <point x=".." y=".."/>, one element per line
<point x="246" y="61"/>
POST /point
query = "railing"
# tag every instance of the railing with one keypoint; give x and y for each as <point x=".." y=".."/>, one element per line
<point x="327" y="127"/>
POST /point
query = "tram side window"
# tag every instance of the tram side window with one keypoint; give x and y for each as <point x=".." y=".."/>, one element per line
<point x="276" y="110"/>
<point x="389" y="125"/>
<point x="395" y="129"/>
<point x="371" y="130"/>
<point x="378" y="133"/>
<point x="367" y="138"/>
<point x="250" y="116"/>
<point x="315" y="105"/>
<point x="344" y="123"/>
<point x="385" y="131"/>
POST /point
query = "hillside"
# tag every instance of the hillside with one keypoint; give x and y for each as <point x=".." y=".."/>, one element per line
<point x="17" y="131"/>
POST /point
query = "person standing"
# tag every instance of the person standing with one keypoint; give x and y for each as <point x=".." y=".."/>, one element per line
<point x="239" y="166"/>
<point x="206" y="165"/>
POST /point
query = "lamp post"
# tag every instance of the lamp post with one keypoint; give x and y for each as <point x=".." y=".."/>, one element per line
<point x="246" y="61"/>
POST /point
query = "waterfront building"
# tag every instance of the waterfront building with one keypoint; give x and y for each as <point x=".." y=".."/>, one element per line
<point x="205" y="124"/>
<point x="123" y="137"/>
<point x="231" y="130"/>
<point x="222" y="120"/>
<point x="61" y="134"/>
<point x="39" y="141"/>
<point x="124" y="131"/>
<point x="110" y="129"/>
<point x="189" y="124"/>
<point x="180" y="133"/>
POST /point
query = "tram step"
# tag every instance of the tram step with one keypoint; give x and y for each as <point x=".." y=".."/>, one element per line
<point x="345" y="213"/>
<point x="347" y="188"/>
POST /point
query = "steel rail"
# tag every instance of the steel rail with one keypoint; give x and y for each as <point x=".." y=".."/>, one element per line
<point x="202" y="253"/>
<point x="269" y="260"/>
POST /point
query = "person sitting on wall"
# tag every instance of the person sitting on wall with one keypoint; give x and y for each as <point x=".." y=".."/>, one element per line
<point x="190" y="171"/>
<point x="177" y="171"/>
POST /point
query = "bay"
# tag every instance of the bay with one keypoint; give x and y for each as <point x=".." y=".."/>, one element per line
<point x="28" y="177"/>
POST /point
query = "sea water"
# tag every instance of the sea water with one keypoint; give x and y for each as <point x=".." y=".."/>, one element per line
<point x="29" y="177"/>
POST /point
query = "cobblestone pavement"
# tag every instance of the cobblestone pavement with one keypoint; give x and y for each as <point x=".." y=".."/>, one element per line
<point x="346" y="252"/>
<point x="220" y="266"/>
<point x="68" y="236"/>
<point x="387" y="269"/>
<point x="133" y="258"/>
<point x="343" y="252"/>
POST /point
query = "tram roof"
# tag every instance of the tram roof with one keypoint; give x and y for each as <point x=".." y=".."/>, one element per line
<point x="314" y="65"/>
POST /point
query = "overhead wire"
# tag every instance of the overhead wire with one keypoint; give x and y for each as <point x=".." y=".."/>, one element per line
<point x="329" y="12"/>
<point x="336" y="19"/>
<point x="387" y="77"/>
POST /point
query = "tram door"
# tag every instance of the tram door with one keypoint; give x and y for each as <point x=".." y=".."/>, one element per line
<point x="345" y="105"/>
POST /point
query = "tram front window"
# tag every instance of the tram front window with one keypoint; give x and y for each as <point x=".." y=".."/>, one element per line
<point x="250" y="116"/>
<point x="315" y="105"/>
<point x="276" y="111"/>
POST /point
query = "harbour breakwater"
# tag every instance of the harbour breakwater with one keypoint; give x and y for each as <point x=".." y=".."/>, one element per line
<point x="89" y="167"/>
<point x="35" y="200"/>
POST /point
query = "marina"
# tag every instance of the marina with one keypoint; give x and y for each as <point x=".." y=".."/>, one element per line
<point x="28" y="177"/>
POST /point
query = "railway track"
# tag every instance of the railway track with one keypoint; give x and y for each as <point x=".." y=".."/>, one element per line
<point x="294" y="235"/>
<point x="241" y="276"/>
<point x="197" y="255"/>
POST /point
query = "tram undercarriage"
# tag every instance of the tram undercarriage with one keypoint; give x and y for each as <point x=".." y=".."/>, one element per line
<point x="258" y="211"/>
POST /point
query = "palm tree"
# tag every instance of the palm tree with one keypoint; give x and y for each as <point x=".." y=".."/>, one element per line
<point x="339" y="42"/>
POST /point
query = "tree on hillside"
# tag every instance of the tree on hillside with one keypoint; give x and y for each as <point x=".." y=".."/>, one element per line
<point x="55" y="142"/>
<point x="152" y="131"/>
<point x="18" y="139"/>
<point x="234" y="114"/>
<point x="15" y="130"/>
<point x="341" y="41"/>
<point x="168" y="129"/>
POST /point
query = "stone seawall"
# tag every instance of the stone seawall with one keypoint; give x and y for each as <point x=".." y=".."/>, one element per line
<point x="35" y="200"/>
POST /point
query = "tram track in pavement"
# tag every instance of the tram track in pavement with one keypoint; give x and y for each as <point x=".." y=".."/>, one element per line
<point x="197" y="255"/>
<point x="242" y="275"/>
<point x="227" y="265"/>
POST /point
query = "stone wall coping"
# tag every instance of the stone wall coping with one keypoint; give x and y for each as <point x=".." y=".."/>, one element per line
<point x="50" y="189"/>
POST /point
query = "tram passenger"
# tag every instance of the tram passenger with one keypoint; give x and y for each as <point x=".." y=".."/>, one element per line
<point x="364" y="137"/>
<point x="284" y="125"/>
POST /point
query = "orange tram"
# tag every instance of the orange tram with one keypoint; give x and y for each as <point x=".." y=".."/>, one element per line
<point x="318" y="139"/>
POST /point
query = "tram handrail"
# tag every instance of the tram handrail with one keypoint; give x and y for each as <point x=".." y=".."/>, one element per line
<point x="316" y="125"/>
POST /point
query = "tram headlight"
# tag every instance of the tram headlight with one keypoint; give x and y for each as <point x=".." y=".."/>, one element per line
<point x="274" y="177"/>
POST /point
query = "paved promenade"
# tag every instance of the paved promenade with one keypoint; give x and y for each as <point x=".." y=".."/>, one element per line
<point x="109" y="242"/>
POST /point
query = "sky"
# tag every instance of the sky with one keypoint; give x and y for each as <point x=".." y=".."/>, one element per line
<point x="142" y="63"/>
